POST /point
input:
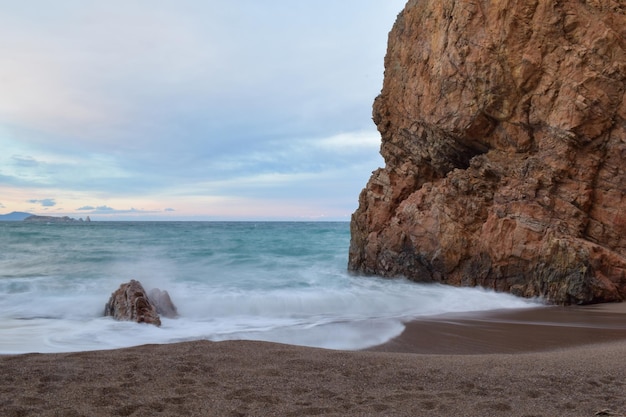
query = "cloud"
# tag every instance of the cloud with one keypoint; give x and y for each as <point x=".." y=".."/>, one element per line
<point x="169" y="209"/>
<point x="350" y="142"/>
<point x="98" y="209"/>
<point x="107" y="210"/>
<point x="46" y="202"/>
<point x="188" y="67"/>
<point x="24" y="161"/>
<point x="50" y="166"/>
<point x="2" y="205"/>
<point x="163" y="101"/>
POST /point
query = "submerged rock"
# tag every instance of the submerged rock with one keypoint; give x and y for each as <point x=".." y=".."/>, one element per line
<point x="163" y="303"/>
<point x="504" y="137"/>
<point x="131" y="303"/>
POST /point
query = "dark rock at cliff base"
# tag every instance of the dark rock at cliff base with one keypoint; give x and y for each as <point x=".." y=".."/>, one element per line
<point x="131" y="303"/>
<point x="504" y="137"/>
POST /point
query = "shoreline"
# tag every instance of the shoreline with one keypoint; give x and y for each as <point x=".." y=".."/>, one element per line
<point x="578" y="377"/>
<point x="512" y="331"/>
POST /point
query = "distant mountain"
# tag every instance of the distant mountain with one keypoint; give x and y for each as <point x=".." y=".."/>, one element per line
<point x="15" y="216"/>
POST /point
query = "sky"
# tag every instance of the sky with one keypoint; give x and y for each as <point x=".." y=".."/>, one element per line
<point x="190" y="109"/>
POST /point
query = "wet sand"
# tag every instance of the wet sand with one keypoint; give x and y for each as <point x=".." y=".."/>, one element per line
<point x="512" y="331"/>
<point x="545" y="362"/>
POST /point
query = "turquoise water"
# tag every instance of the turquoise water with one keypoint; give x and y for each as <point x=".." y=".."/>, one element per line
<point x="281" y="282"/>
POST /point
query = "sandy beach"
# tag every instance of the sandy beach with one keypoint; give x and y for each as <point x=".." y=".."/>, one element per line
<point x="546" y="362"/>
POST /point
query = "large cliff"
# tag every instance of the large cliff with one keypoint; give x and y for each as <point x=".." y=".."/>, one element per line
<point x="503" y="130"/>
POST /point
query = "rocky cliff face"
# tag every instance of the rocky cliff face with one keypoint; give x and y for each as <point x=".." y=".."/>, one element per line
<point x="503" y="130"/>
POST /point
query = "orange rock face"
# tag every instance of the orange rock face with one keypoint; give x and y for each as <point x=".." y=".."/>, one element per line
<point x="503" y="130"/>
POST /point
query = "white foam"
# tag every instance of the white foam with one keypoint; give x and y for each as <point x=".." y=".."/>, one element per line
<point x="345" y="313"/>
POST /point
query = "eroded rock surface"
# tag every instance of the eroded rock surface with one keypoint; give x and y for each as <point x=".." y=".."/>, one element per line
<point x="131" y="303"/>
<point x="503" y="130"/>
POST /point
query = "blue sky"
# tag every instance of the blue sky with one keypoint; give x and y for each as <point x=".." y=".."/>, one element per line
<point x="190" y="110"/>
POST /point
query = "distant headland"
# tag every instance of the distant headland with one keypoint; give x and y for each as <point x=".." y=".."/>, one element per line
<point x="17" y="216"/>
<point x="52" y="219"/>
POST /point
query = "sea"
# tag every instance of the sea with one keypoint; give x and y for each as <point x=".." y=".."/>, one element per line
<point x="283" y="282"/>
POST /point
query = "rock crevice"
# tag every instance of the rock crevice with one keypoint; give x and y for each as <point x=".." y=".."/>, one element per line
<point x="503" y="131"/>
